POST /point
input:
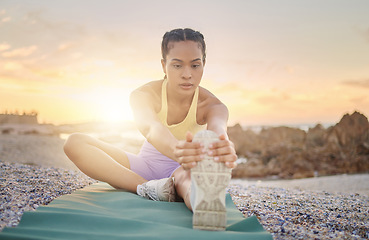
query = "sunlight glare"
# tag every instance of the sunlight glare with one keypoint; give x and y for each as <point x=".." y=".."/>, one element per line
<point x="112" y="104"/>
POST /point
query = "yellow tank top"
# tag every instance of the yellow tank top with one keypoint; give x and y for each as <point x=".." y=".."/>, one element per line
<point x="179" y="130"/>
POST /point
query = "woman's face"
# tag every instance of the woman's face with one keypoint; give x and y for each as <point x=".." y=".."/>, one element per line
<point x="184" y="66"/>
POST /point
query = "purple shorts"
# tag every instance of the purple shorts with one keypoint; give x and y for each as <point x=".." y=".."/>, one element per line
<point x="151" y="164"/>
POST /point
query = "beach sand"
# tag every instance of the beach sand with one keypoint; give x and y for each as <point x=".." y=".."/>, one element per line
<point x="344" y="184"/>
<point x="34" y="171"/>
<point x="33" y="149"/>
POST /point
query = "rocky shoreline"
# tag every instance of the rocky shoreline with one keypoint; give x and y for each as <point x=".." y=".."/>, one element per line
<point x="284" y="152"/>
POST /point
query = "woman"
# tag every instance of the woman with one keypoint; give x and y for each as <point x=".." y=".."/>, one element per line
<point x="167" y="112"/>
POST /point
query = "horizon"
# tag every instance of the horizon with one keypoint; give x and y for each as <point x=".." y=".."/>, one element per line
<point x="303" y="125"/>
<point x="271" y="63"/>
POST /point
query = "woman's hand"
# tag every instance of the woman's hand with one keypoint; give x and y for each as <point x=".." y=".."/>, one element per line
<point x="188" y="153"/>
<point x="223" y="151"/>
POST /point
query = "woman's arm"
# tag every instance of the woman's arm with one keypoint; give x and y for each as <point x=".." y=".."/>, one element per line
<point x="217" y="118"/>
<point x="142" y="103"/>
<point x="223" y="150"/>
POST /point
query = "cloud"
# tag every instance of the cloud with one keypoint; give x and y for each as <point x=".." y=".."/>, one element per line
<point x="363" y="33"/>
<point x="4" y="18"/>
<point x="65" y="46"/>
<point x="49" y="33"/>
<point x="11" y="66"/>
<point x="290" y="69"/>
<point x="363" y="83"/>
<point x="20" y="52"/>
<point x="4" y="46"/>
<point x="366" y="34"/>
<point x="359" y="99"/>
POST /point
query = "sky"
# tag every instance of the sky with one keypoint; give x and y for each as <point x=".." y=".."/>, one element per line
<point x="271" y="62"/>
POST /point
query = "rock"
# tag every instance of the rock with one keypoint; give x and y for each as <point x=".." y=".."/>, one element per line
<point x="253" y="168"/>
<point x="283" y="134"/>
<point x="236" y="135"/>
<point x="246" y="141"/>
<point x="352" y="130"/>
<point x="294" y="153"/>
<point x="346" y="144"/>
<point x="315" y="136"/>
<point x="363" y="148"/>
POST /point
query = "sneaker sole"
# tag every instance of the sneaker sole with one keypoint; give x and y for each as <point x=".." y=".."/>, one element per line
<point x="209" y="180"/>
<point x="171" y="190"/>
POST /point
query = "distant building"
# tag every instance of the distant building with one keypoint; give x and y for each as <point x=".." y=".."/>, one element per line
<point x="19" y="119"/>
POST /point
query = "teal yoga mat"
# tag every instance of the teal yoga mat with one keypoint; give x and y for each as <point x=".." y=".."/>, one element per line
<point x="101" y="212"/>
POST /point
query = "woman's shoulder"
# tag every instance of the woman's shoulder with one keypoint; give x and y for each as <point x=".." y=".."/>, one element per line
<point x="209" y="106"/>
<point x="208" y="100"/>
<point x="206" y="97"/>
<point x="147" y="94"/>
<point x="153" y="86"/>
<point x="152" y="89"/>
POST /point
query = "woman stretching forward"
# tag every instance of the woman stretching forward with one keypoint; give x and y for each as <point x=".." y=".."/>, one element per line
<point x="167" y="112"/>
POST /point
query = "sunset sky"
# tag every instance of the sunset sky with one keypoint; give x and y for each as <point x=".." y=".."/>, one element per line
<point x="271" y="62"/>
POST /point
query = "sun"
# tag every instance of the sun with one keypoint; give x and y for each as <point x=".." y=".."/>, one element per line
<point x="112" y="105"/>
<point x="115" y="112"/>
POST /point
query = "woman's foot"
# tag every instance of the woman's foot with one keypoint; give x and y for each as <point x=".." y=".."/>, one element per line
<point x="158" y="190"/>
<point x="209" y="181"/>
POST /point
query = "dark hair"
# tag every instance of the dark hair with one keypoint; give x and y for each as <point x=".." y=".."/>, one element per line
<point x="180" y="34"/>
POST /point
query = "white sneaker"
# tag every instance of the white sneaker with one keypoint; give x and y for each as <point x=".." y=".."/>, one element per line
<point x="209" y="180"/>
<point x="158" y="190"/>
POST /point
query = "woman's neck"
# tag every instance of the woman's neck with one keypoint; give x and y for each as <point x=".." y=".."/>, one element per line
<point x="176" y="99"/>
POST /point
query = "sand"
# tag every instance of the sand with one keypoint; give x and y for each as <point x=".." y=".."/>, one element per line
<point x="345" y="184"/>
<point x="32" y="149"/>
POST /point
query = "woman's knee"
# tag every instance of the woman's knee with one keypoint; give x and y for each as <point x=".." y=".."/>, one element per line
<point x="74" y="142"/>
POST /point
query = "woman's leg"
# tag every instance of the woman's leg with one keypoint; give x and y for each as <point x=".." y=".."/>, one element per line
<point x="102" y="161"/>
<point x="182" y="181"/>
